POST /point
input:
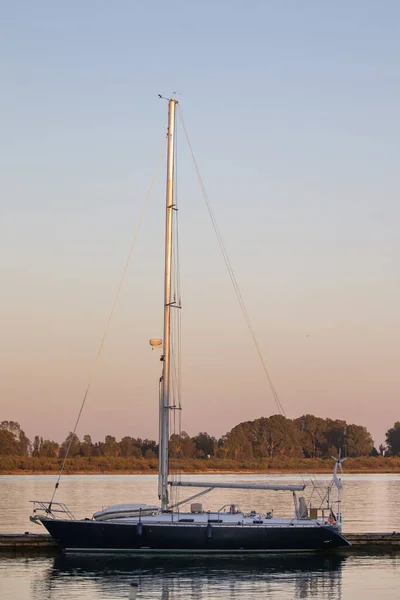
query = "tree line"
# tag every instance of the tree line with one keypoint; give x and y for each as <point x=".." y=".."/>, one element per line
<point x="265" y="438"/>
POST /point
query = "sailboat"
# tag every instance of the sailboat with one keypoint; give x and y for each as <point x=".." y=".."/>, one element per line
<point x="139" y="528"/>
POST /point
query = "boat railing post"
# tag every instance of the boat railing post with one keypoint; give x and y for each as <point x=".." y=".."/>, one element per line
<point x="296" y="506"/>
<point x="133" y="591"/>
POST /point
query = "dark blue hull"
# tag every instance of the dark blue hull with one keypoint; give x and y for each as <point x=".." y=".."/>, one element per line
<point x="94" y="536"/>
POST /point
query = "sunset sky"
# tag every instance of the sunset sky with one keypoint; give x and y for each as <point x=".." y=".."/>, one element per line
<point x="293" y="113"/>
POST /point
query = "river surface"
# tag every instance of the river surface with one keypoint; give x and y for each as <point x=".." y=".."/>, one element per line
<point x="370" y="503"/>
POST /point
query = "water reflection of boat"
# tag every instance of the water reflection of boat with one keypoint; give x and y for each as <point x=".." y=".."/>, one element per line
<point x="296" y="575"/>
<point x="114" y="565"/>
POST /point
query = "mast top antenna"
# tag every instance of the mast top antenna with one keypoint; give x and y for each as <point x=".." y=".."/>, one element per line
<point x="168" y="99"/>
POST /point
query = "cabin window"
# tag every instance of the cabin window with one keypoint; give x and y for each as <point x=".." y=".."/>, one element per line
<point x="186" y="520"/>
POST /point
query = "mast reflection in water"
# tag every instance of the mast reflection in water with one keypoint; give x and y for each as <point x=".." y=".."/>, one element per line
<point x="197" y="578"/>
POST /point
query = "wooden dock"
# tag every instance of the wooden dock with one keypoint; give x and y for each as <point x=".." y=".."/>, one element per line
<point x="27" y="541"/>
<point x="374" y="542"/>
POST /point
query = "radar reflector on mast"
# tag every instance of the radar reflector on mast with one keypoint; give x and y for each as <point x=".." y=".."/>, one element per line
<point x="155" y="343"/>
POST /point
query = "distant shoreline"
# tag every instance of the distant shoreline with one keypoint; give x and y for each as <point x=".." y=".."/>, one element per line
<point x="120" y="465"/>
<point x="212" y="472"/>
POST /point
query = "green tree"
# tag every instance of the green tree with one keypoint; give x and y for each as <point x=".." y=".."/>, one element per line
<point x="73" y="443"/>
<point x="358" y="441"/>
<point x="335" y="436"/>
<point x="87" y="446"/>
<point x="238" y="442"/>
<point x="313" y="438"/>
<point x="205" y="444"/>
<point x="129" y="446"/>
<point x="146" y="445"/>
<point x="126" y="446"/>
<point x="150" y="453"/>
<point x="382" y="450"/>
<point x="222" y="447"/>
<point x="111" y="447"/>
<point x="8" y="443"/>
<point x="263" y="438"/>
<point x="13" y="440"/>
<point x="36" y="446"/>
<point x="48" y="448"/>
<point x="276" y="435"/>
<point x="393" y="439"/>
<point x="97" y="449"/>
<point x="181" y="446"/>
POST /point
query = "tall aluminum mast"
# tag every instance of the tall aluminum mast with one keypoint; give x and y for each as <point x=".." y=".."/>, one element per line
<point x="165" y="383"/>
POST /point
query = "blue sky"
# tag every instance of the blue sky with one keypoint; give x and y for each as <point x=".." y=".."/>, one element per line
<point x="292" y="110"/>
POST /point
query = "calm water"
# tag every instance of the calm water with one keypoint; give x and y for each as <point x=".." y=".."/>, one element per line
<point x="370" y="503"/>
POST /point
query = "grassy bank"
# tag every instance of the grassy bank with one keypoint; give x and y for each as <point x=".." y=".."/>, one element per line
<point x="10" y="465"/>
